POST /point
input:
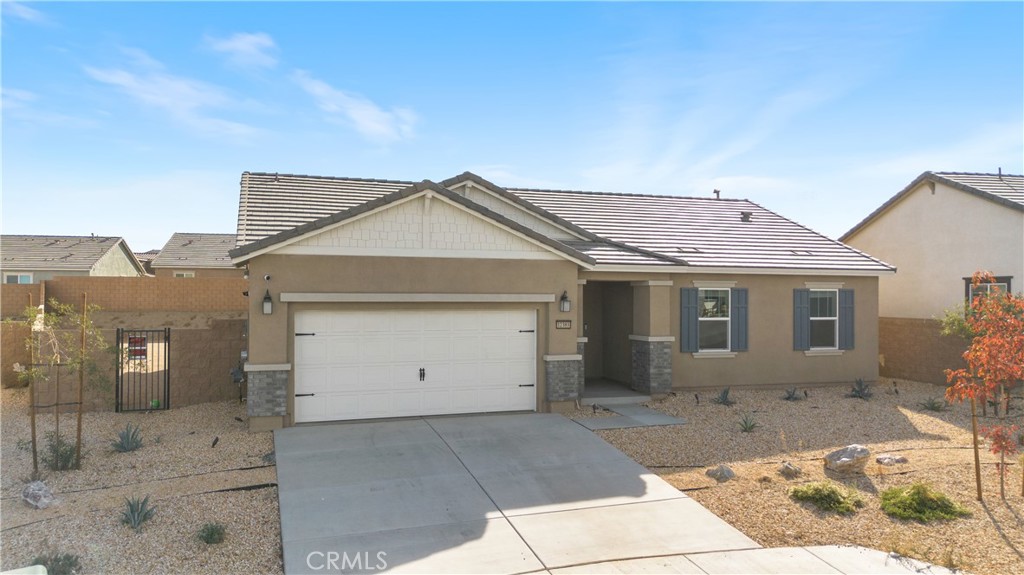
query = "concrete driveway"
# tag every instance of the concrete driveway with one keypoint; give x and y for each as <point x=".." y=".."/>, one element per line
<point x="522" y="493"/>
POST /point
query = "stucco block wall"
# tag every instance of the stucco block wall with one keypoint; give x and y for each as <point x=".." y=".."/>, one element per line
<point x="147" y="294"/>
<point x="935" y="239"/>
<point x="12" y="342"/>
<point x="14" y="299"/>
<point x="915" y="349"/>
<point x="200" y="272"/>
<point x="771" y="359"/>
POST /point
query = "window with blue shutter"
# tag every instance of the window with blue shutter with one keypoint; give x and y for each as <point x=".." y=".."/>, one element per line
<point x="738" y="319"/>
<point x="801" y="319"/>
<point x="688" y="314"/>
<point x="846" y="321"/>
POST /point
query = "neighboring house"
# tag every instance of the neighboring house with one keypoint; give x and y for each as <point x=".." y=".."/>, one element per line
<point x="196" y="256"/>
<point x="938" y="231"/>
<point x="30" y="259"/>
<point x="146" y="259"/>
<point x="376" y="298"/>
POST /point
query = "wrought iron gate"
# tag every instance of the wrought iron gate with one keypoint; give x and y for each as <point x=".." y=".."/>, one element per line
<point x="143" y="369"/>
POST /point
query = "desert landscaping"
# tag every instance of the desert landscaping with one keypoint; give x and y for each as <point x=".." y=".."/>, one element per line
<point x="199" y="465"/>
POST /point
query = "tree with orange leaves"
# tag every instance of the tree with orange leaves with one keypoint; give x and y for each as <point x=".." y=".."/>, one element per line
<point x="995" y="359"/>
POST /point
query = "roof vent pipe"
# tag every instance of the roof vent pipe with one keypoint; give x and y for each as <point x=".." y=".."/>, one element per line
<point x="745" y="216"/>
<point x="718" y="195"/>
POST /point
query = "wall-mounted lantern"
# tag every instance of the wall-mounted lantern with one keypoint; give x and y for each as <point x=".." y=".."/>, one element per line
<point x="564" y="303"/>
<point x="268" y="304"/>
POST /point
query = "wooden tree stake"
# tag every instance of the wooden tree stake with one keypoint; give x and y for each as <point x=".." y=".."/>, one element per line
<point x="81" y="384"/>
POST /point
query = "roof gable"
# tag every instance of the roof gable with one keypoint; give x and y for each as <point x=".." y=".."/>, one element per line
<point x="196" y="251"/>
<point x="1003" y="189"/>
<point x="423" y="220"/>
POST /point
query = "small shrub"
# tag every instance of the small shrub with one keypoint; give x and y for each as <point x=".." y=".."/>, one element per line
<point x="723" y="398"/>
<point x="211" y="533"/>
<point x="920" y="502"/>
<point x="136" y="512"/>
<point x="59" y="563"/>
<point x="934" y="404"/>
<point x="748" y="424"/>
<point x="828" y="496"/>
<point x="128" y="440"/>
<point x="59" y="453"/>
<point x="861" y="390"/>
<point x="792" y="395"/>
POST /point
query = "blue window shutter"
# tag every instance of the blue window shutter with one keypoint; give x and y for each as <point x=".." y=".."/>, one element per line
<point x="738" y="320"/>
<point x="688" y="315"/>
<point x="846" y="319"/>
<point x="801" y="319"/>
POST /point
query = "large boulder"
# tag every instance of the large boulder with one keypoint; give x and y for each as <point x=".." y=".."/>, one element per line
<point x="850" y="459"/>
<point x="721" y="474"/>
<point x="890" y="459"/>
<point x="38" y="495"/>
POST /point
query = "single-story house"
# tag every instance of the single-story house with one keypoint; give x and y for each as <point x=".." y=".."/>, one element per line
<point x="146" y="259"/>
<point x="379" y="298"/>
<point x="939" y="230"/>
<point x="31" y="259"/>
<point x="188" y="255"/>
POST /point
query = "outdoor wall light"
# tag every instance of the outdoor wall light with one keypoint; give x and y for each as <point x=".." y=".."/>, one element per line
<point x="564" y="304"/>
<point x="268" y="304"/>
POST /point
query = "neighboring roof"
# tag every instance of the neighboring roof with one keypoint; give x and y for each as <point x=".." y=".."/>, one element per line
<point x="1004" y="189"/>
<point x="617" y="229"/>
<point x="59" y="253"/>
<point x="196" y="251"/>
<point x="402" y="194"/>
<point x="148" y="256"/>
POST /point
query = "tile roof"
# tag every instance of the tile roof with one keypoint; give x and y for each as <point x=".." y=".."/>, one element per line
<point x="1003" y="189"/>
<point x="67" y="253"/>
<point x="626" y="229"/>
<point x="196" y="251"/>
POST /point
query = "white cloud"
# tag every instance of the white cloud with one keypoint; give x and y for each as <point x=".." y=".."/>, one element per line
<point x="506" y="176"/>
<point x="246" y="51"/>
<point x="15" y="98"/>
<point x="23" y="12"/>
<point x="185" y="99"/>
<point x="373" y="122"/>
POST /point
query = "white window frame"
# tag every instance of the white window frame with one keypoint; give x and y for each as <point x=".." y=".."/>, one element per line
<point x="834" y="319"/>
<point x="19" y="275"/>
<point x="987" y="288"/>
<point x="727" y="319"/>
<point x="184" y="274"/>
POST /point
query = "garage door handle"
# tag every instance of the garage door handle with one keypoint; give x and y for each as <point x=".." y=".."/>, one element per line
<point x="304" y="394"/>
<point x="423" y="374"/>
<point x="527" y="331"/>
<point x="528" y="385"/>
<point x="298" y="334"/>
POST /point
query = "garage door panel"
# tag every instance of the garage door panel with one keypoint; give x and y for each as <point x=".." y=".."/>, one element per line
<point x="366" y="364"/>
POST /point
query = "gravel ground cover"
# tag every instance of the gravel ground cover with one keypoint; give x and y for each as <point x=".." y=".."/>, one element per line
<point x="937" y="445"/>
<point x="178" y="466"/>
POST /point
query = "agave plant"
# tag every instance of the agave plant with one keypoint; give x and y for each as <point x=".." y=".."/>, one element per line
<point x="934" y="404"/>
<point x="861" y="390"/>
<point x="792" y="395"/>
<point x="136" y="512"/>
<point x="723" y="398"/>
<point x="128" y="440"/>
<point x="748" y="424"/>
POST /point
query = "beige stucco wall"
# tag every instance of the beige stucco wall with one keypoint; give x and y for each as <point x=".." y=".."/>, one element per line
<point x="115" y="262"/>
<point x="38" y="276"/>
<point x="935" y="239"/>
<point x="200" y="272"/>
<point x="771" y="359"/>
<point x="270" y="339"/>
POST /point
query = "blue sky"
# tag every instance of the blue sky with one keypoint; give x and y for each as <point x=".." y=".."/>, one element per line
<point x="137" y="119"/>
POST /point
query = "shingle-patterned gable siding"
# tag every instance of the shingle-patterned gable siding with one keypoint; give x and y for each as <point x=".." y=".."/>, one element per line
<point x="64" y="253"/>
<point x="186" y="250"/>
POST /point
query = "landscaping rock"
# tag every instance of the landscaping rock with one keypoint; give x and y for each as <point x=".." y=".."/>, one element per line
<point x="721" y="474"/>
<point x="890" y="459"/>
<point x="789" y="470"/>
<point x="37" y="495"/>
<point x="850" y="459"/>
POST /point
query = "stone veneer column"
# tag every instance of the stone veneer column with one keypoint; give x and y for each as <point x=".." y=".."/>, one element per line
<point x="651" y="364"/>
<point x="563" y="377"/>
<point x="267" y="391"/>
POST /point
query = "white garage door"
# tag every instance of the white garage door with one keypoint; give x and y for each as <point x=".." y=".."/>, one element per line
<point x="367" y="364"/>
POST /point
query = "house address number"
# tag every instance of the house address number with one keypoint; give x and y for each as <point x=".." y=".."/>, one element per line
<point x="563" y="324"/>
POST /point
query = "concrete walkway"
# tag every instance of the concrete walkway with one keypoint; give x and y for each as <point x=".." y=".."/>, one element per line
<point x="629" y="416"/>
<point x="530" y="493"/>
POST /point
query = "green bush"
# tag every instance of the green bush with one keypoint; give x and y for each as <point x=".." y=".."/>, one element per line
<point x="919" y="501"/>
<point x="828" y="496"/>
<point x="59" y="453"/>
<point x="59" y="563"/>
<point x="212" y="533"/>
<point x="128" y="440"/>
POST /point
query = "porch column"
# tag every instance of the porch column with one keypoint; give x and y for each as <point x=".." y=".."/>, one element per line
<point x="651" y="342"/>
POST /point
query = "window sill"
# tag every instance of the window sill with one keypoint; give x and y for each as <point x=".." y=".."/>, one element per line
<point x="822" y="352"/>
<point x="713" y="354"/>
